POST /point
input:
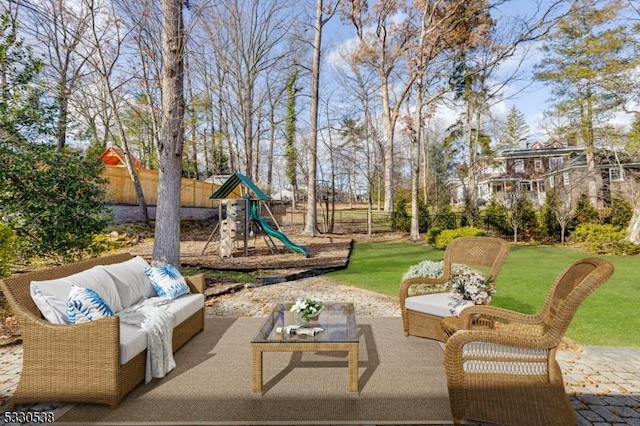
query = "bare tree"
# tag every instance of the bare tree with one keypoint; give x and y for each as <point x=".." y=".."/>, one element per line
<point x="516" y="204"/>
<point x="61" y="28"/>
<point x="144" y="22"/>
<point x="90" y="107"/>
<point x="561" y="203"/>
<point x="385" y="43"/>
<point x="105" y="32"/>
<point x="250" y="34"/>
<point x="166" y="245"/>
<point x="400" y="41"/>
<point x="321" y="18"/>
<point x="363" y="134"/>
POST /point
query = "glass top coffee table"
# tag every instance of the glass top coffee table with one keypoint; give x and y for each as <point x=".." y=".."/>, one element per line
<point x="340" y="335"/>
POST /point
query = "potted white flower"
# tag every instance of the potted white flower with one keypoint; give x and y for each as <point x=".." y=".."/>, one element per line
<point x="308" y="308"/>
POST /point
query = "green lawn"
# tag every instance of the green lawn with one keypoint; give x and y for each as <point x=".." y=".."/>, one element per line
<point x="609" y="317"/>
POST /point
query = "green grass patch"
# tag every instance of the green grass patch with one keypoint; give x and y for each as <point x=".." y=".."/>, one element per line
<point x="380" y="266"/>
<point x="609" y="317"/>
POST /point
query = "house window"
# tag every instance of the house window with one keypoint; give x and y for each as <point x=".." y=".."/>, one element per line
<point x="616" y="174"/>
<point x="518" y="165"/>
<point x="555" y="162"/>
<point x="566" y="179"/>
<point x="537" y="164"/>
<point x="525" y="186"/>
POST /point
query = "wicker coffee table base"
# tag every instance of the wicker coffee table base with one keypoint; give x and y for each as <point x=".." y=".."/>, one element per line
<point x="259" y="348"/>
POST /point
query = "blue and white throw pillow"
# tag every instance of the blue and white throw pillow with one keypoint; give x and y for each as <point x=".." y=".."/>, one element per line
<point x="167" y="281"/>
<point x="84" y="305"/>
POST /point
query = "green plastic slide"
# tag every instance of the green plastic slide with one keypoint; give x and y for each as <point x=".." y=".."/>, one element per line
<point x="270" y="230"/>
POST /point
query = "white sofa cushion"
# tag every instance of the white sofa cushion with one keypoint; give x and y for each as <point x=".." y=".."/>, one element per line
<point x="438" y="304"/>
<point x="50" y="296"/>
<point x="132" y="283"/>
<point x="84" y="305"/>
<point x="185" y="306"/>
<point x="133" y="339"/>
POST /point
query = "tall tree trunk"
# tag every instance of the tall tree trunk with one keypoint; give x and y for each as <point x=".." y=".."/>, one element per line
<point x="585" y="103"/>
<point x="63" y="117"/>
<point x="634" y="227"/>
<point x="272" y="145"/>
<point x="311" y="223"/>
<point x="592" y="184"/>
<point x="470" y="196"/>
<point x="142" y="204"/>
<point x="370" y="213"/>
<point x="633" y="230"/>
<point x="247" y="107"/>
<point x="415" y="165"/>
<point x="389" y="126"/>
<point x="166" y="247"/>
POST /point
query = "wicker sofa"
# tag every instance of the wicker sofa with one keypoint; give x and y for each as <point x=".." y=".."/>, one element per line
<point x="83" y="362"/>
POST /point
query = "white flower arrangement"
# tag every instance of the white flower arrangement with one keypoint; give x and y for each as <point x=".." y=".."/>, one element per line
<point x="307" y="307"/>
<point x="465" y="285"/>
<point x="426" y="268"/>
<point x="468" y="285"/>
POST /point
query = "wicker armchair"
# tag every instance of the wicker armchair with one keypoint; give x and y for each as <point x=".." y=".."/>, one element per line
<point x="506" y="371"/>
<point x="426" y="299"/>
<point x="79" y="362"/>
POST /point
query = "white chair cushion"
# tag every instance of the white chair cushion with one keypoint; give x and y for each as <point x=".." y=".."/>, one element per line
<point x="438" y="304"/>
<point x="50" y="296"/>
<point x="517" y="361"/>
<point x="133" y="339"/>
<point x="132" y="283"/>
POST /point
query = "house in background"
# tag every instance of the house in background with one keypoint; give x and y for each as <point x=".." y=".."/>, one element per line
<point x="519" y="172"/>
<point x="532" y="171"/>
<point x="611" y="179"/>
<point x="522" y="172"/>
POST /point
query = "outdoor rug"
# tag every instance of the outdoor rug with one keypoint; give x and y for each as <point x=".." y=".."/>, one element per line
<point x="401" y="381"/>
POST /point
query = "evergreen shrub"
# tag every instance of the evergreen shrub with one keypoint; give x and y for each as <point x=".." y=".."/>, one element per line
<point x="495" y="217"/>
<point x="448" y="235"/>
<point x="619" y="213"/>
<point x="585" y="212"/>
<point x="432" y="235"/>
<point x="400" y="218"/>
<point x="603" y="239"/>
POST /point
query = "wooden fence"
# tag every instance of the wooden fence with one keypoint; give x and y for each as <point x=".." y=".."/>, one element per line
<point x="193" y="193"/>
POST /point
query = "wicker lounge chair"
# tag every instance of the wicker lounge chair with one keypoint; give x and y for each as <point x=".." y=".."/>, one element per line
<point x="507" y="371"/>
<point x="482" y="253"/>
<point x="79" y="362"/>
